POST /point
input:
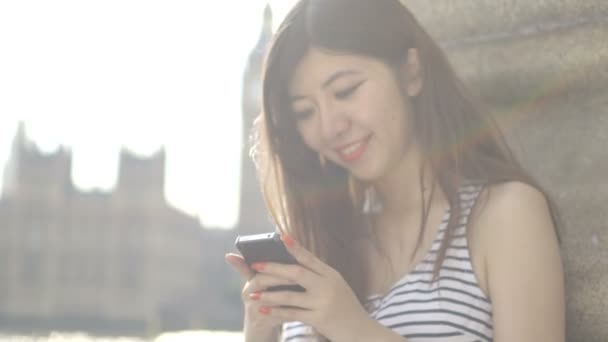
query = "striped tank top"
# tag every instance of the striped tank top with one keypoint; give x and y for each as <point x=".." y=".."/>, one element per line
<point x="452" y="309"/>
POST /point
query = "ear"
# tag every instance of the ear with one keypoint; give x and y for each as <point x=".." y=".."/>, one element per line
<point x="412" y="72"/>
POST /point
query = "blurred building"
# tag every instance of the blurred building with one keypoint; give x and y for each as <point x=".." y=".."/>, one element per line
<point x="121" y="261"/>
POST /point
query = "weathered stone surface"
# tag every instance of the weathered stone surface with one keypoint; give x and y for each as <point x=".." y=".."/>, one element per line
<point x="512" y="49"/>
<point x="453" y="21"/>
<point x="551" y="64"/>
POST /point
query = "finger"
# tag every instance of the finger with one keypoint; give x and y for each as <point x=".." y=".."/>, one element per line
<point x="255" y="315"/>
<point x="295" y="273"/>
<point x="261" y="282"/>
<point x="287" y="314"/>
<point x="239" y="264"/>
<point x="305" y="257"/>
<point x="283" y="298"/>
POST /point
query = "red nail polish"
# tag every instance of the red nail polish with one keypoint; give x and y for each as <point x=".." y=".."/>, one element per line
<point x="264" y="310"/>
<point x="258" y="266"/>
<point x="255" y="296"/>
<point x="288" y="240"/>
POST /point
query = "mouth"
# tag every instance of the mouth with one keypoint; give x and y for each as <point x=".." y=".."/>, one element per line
<point x="353" y="151"/>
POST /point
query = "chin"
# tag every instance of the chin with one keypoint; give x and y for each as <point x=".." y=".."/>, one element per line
<point x="367" y="176"/>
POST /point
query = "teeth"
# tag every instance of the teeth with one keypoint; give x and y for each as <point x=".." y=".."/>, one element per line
<point x="351" y="148"/>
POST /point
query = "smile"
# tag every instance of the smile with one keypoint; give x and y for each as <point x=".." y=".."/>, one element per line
<point x="353" y="151"/>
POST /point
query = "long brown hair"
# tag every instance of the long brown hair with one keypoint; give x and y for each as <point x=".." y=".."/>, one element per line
<point x="321" y="206"/>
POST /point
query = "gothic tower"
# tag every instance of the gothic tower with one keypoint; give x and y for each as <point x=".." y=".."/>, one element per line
<point x="252" y="211"/>
<point x="29" y="173"/>
<point x="142" y="180"/>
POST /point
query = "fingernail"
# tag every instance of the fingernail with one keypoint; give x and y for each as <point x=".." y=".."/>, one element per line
<point x="255" y="296"/>
<point x="264" y="310"/>
<point x="258" y="266"/>
<point x="288" y="240"/>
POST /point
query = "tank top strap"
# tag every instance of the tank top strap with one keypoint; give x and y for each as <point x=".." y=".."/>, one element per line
<point x="468" y="193"/>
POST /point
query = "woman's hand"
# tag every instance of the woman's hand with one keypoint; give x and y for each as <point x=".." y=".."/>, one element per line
<point x="329" y="304"/>
<point x="258" y="326"/>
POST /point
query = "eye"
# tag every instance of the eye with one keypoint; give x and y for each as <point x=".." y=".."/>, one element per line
<point x="301" y="115"/>
<point x="348" y="92"/>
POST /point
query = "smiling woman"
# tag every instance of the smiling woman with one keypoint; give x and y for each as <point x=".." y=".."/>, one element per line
<point x="410" y="218"/>
<point x="375" y="134"/>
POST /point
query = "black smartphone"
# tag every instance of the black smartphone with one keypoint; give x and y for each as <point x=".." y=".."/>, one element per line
<point x="266" y="247"/>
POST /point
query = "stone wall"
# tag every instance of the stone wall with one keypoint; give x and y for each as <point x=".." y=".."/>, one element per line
<point x="542" y="67"/>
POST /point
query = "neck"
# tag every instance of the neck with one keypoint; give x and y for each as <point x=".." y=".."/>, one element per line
<point x="401" y="191"/>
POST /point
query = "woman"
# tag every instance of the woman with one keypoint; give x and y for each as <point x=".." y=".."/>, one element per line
<point x="408" y="214"/>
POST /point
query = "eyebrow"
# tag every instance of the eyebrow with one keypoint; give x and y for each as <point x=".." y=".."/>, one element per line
<point x="331" y="79"/>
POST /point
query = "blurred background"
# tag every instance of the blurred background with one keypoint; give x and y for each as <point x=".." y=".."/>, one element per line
<point x="123" y="140"/>
<point x="125" y="174"/>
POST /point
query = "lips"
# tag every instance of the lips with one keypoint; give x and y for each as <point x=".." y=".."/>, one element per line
<point x="353" y="151"/>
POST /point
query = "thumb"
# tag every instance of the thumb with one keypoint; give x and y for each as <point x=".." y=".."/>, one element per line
<point x="240" y="265"/>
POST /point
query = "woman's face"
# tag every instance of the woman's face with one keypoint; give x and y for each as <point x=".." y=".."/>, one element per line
<point x="350" y="109"/>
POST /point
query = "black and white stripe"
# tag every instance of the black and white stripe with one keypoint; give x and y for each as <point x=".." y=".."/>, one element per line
<point x="452" y="309"/>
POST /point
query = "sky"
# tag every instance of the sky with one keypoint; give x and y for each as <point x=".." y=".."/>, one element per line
<point x="96" y="76"/>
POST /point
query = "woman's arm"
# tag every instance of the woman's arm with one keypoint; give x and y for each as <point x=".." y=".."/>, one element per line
<point x="374" y="331"/>
<point x="523" y="265"/>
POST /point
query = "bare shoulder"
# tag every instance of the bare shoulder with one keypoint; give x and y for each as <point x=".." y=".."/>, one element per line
<point x="515" y="237"/>
<point x="503" y="214"/>
<point x="510" y="212"/>
<point x="512" y="209"/>
<point x="515" y="196"/>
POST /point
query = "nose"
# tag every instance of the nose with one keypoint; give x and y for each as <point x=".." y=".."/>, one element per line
<point x="334" y="123"/>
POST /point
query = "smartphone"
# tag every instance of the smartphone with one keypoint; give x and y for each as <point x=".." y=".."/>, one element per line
<point x="266" y="247"/>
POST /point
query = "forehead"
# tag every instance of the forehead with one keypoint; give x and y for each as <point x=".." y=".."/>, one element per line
<point x="317" y="66"/>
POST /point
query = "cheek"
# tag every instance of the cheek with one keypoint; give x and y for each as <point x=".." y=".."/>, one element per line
<point x="381" y="109"/>
<point x="309" y="135"/>
<point x="395" y="124"/>
<point x="399" y="125"/>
